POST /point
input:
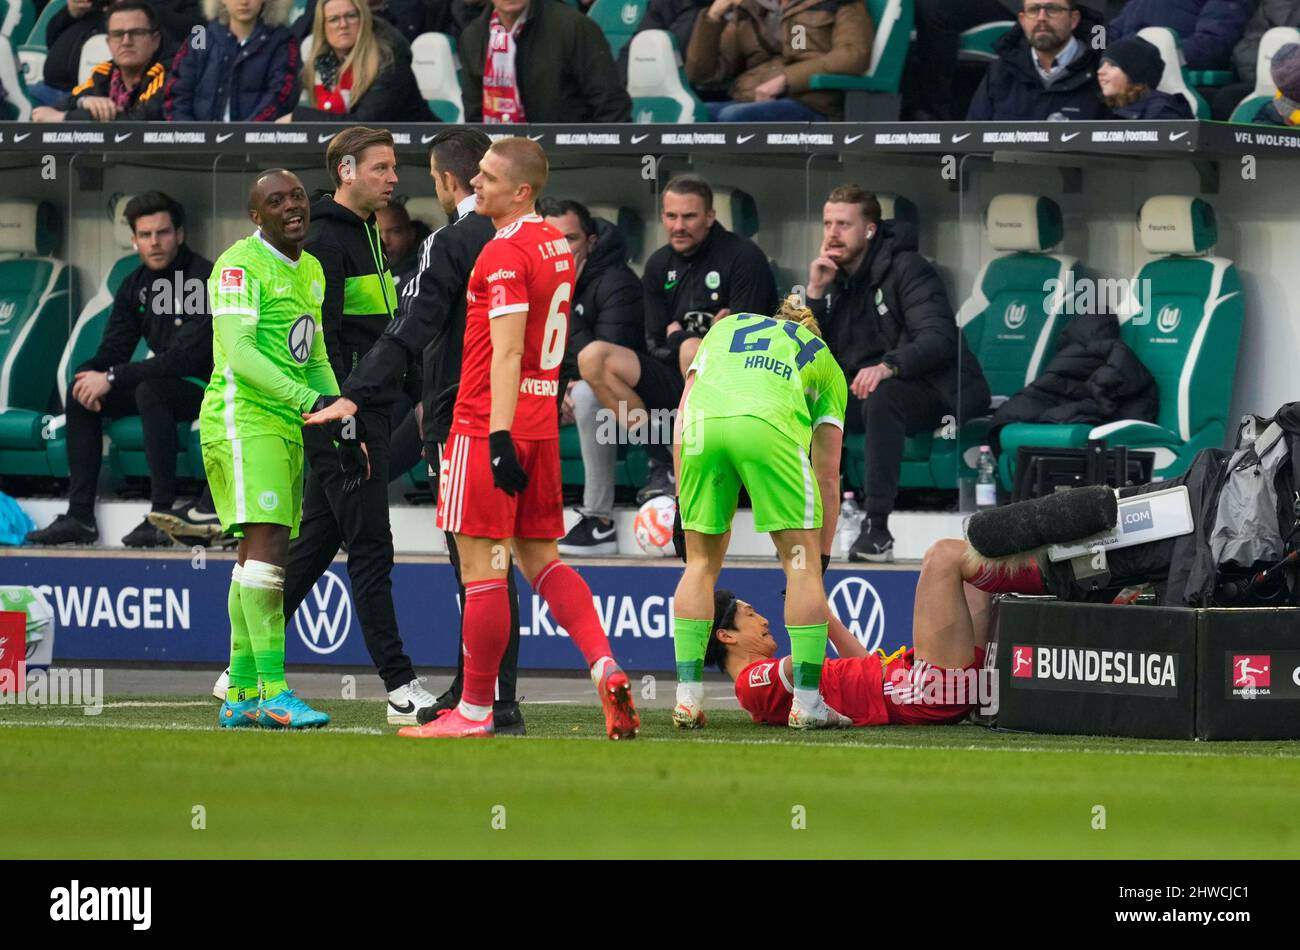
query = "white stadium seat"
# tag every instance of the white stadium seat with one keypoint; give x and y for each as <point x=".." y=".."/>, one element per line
<point x="434" y="63"/>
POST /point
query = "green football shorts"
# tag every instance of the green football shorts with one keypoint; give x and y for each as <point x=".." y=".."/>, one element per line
<point x="255" y="481"/>
<point x="721" y="454"/>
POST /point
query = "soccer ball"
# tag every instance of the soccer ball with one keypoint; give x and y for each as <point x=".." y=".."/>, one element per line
<point x="654" y="525"/>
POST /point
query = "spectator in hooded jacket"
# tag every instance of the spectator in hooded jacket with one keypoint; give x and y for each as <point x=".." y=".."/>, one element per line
<point x="244" y="70"/>
<point x="1128" y="75"/>
<point x="771" y="49"/>
<point x="1285" y="107"/>
<point x="64" y="35"/>
<point x="1245" y="55"/>
<point x="1207" y="29"/>
<point x="355" y="74"/>
<point x="130" y="85"/>
<point x="545" y="62"/>
<point x="1045" y="69"/>
<point x="607" y="305"/>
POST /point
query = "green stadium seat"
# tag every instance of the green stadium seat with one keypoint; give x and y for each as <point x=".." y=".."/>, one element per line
<point x="977" y="43"/>
<point x="656" y="82"/>
<point x="736" y="210"/>
<point x="1175" y="80"/>
<point x="16" y="19"/>
<point x="31" y="49"/>
<point x="874" y="96"/>
<point x="1264" y="90"/>
<point x="16" y="105"/>
<point x="1185" y="327"/>
<point x="618" y="20"/>
<point x="433" y="60"/>
<point x="631" y="471"/>
<point x="36" y="303"/>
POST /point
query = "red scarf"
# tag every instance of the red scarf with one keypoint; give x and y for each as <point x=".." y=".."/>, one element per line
<point x="501" y="101"/>
<point x="335" y="100"/>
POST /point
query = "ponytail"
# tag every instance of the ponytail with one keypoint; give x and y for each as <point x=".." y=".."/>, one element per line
<point x="793" y="309"/>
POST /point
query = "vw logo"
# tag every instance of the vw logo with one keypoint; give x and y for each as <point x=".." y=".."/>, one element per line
<point x="856" y="604"/>
<point x="1167" y="319"/>
<point x="1015" y="314"/>
<point x="325" y="615"/>
<point x="300" y="337"/>
<point x="7" y="310"/>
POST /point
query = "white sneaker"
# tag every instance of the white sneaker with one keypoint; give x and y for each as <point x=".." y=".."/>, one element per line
<point x="819" y="716"/>
<point x="688" y="716"/>
<point x="405" y="703"/>
<point x="222" y="684"/>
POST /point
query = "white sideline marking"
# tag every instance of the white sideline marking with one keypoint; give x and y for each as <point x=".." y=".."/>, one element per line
<point x="188" y="727"/>
<point x="160" y="705"/>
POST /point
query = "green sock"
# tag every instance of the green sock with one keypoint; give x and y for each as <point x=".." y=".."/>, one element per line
<point x="807" y="652"/>
<point x="690" y="640"/>
<point x="261" y="594"/>
<point x="243" y="667"/>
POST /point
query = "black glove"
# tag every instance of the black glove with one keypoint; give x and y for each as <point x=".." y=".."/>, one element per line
<point x="507" y="474"/>
<point x="347" y="436"/>
<point x="679" y="534"/>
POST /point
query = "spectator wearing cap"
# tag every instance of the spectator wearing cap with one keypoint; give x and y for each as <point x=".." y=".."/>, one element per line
<point x="1129" y="73"/>
<point x="1285" y="107"/>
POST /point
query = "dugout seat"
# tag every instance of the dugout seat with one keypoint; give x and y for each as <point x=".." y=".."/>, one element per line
<point x="31" y="49"/>
<point x="618" y="20"/>
<point x="736" y="210"/>
<point x="1175" y="80"/>
<point x="426" y="209"/>
<point x="36" y="304"/>
<point x="1264" y="91"/>
<point x="874" y="96"/>
<point x="656" y="82"/>
<point x="15" y="105"/>
<point x="433" y="60"/>
<point x="1184" y="324"/>
<point x="627" y="220"/>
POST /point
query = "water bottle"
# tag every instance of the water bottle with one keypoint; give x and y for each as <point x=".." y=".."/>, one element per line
<point x="986" y="483"/>
<point x="850" y="522"/>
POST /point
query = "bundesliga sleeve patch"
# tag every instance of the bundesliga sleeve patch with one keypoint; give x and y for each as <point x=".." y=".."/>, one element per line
<point x="761" y="675"/>
<point x="232" y="278"/>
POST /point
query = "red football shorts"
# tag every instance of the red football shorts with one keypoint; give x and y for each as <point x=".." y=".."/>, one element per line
<point x="909" y="701"/>
<point x="469" y="504"/>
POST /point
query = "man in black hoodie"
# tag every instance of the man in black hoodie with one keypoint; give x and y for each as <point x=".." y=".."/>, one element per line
<point x="1044" y="70"/>
<point x="359" y="305"/>
<point x="886" y="317"/>
<point x="607" y="306"/>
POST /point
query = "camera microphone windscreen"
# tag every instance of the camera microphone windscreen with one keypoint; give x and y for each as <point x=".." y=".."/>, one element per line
<point x="1057" y="518"/>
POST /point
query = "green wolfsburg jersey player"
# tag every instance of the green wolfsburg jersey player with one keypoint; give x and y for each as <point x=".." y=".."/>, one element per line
<point x="763" y="408"/>
<point x="269" y="368"/>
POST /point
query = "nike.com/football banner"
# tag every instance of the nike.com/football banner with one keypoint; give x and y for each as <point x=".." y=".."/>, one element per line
<point x="166" y="610"/>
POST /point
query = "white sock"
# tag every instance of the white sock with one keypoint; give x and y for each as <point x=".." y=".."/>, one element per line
<point x="690" y="694"/>
<point x="477" y="713"/>
<point x="808" y="698"/>
<point x="598" y="669"/>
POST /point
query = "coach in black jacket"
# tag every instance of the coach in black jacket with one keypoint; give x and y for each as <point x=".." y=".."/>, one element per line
<point x="430" y="325"/>
<point x="885" y="315"/>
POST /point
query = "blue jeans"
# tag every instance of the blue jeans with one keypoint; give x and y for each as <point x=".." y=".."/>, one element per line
<point x="770" y="110"/>
<point x="39" y="94"/>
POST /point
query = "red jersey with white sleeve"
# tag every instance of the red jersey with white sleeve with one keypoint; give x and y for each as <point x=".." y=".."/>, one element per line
<point x="527" y="268"/>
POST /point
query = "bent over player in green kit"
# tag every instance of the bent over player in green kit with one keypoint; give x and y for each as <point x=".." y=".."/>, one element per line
<point x="269" y="367"/>
<point x="763" y="408"/>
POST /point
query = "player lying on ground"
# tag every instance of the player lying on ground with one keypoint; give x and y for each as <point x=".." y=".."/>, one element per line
<point x="499" y="486"/>
<point x="269" y="365"/>
<point x="759" y="392"/>
<point x="949" y="633"/>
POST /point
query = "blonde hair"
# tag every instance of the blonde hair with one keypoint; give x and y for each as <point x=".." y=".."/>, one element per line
<point x="528" y="164"/>
<point x="366" y="60"/>
<point x="274" y="12"/>
<point x="793" y="309"/>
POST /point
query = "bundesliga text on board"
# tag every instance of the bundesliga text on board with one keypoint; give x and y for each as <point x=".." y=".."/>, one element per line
<point x="1075" y="669"/>
<point x="1273" y="675"/>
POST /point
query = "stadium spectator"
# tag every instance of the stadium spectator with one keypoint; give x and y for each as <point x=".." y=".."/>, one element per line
<point x="704" y="272"/>
<point x="130" y="85"/>
<point x="1045" y="69"/>
<point x="401" y="237"/>
<point x="245" y="70"/>
<point x="1245" y="55"/>
<point x="771" y="49"/>
<point x="393" y="18"/>
<point x="355" y="74"/>
<point x="177" y="19"/>
<point x="1285" y="107"/>
<point x="1207" y="29"/>
<point x="546" y="62"/>
<point x="1128" y="75"/>
<point x="939" y="26"/>
<point x="65" y="34"/>
<point x="607" y="306"/>
<point x="674" y="16"/>
<point x="885" y="315"/>
<point x="163" y="302"/>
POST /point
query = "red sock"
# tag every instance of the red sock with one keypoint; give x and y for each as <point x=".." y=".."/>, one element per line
<point x="487" y="631"/>
<point x="569" y="599"/>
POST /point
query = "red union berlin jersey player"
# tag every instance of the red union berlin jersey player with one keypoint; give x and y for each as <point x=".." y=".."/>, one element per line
<point x="499" y="483"/>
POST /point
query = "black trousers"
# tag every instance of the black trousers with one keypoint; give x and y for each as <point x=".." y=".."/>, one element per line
<point x="160" y="404"/>
<point x="360" y="520"/>
<point x="898" y="408"/>
<point x="939" y="25"/>
<point x="508" y="672"/>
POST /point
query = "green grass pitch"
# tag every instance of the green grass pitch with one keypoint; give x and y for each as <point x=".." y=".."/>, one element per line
<point x="136" y="780"/>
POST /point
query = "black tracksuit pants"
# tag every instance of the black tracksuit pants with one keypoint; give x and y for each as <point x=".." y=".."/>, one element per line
<point x="161" y="404"/>
<point x="360" y="520"/>
<point x="898" y="408"/>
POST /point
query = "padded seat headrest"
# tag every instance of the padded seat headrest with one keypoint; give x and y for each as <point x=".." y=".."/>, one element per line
<point x="121" y="229"/>
<point x="737" y="210"/>
<point x="897" y="208"/>
<point x="1177" y="224"/>
<point x="1023" y="223"/>
<point x="426" y="208"/>
<point x="28" y="227"/>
